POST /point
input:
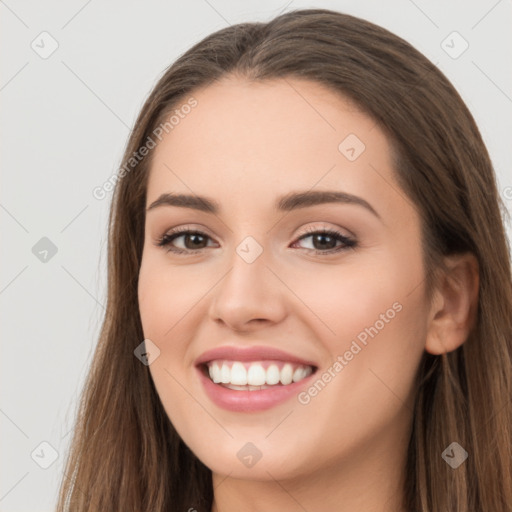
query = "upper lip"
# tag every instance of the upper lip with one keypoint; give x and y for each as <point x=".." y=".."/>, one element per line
<point x="256" y="353"/>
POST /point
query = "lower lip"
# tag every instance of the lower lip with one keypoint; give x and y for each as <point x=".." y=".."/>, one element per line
<point x="250" y="401"/>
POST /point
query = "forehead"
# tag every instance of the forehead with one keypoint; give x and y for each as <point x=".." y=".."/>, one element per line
<point x="262" y="139"/>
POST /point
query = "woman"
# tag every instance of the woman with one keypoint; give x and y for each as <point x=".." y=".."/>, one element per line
<point x="309" y="298"/>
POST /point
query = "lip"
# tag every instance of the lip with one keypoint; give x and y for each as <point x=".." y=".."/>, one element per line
<point x="250" y="401"/>
<point x="257" y="353"/>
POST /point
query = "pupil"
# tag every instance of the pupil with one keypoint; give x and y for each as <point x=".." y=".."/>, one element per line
<point x="322" y="237"/>
<point x="194" y="237"/>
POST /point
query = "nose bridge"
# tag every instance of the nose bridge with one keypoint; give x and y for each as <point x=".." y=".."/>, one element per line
<point x="247" y="291"/>
<point x="250" y="250"/>
<point x="248" y="274"/>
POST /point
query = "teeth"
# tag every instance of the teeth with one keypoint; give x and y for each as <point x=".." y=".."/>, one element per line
<point x="273" y="374"/>
<point x="239" y="375"/>
<point x="246" y="388"/>
<point x="255" y="377"/>
<point x="299" y="374"/>
<point x="214" y="372"/>
<point x="286" y="374"/>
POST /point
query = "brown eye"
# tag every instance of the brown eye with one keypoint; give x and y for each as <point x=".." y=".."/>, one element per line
<point x="189" y="241"/>
<point x="196" y="241"/>
<point x="326" y="241"/>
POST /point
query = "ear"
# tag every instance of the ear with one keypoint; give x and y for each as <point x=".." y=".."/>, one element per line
<point x="454" y="306"/>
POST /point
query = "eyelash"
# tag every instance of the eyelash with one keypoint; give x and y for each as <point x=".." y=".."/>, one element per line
<point x="166" y="239"/>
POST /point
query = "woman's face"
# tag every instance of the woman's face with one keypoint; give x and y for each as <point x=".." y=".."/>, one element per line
<point x="259" y="274"/>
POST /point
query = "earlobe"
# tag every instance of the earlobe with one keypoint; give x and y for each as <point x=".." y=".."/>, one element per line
<point x="455" y="305"/>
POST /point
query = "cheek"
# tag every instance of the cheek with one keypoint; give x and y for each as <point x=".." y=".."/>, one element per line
<point x="342" y="303"/>
<point x="168" y="302"/>
<point x="167" y="296"/>
<point x="372" y="316"/>
<point x="378" y="342"/>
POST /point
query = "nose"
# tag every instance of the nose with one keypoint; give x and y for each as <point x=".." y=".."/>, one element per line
<point x="248" y="297"/>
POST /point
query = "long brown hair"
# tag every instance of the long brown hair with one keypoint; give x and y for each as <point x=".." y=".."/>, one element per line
<point x="125" y="454"/>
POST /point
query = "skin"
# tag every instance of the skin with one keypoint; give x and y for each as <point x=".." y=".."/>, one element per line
<point x="245" y="145"/>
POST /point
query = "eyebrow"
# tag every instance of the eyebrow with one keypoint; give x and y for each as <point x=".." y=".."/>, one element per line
<point x="286" y="203"/>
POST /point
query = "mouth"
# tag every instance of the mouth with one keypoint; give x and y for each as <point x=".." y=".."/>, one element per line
<point x="253" y="386"/>
<point x="255" y="375"/>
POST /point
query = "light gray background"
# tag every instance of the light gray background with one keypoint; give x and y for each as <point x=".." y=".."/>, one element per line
<point x="65" y="121"/>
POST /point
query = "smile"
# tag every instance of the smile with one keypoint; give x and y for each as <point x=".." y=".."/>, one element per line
<point x="257" y="375"/>
<point x="253" y="386"/>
